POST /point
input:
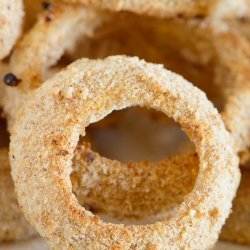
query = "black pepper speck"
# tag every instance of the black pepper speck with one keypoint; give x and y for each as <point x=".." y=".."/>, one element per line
<point x="48" y="18"/>
<point x="11" y="80"/>
<point x="89" y="158"/>
<point x="46" y="5"/>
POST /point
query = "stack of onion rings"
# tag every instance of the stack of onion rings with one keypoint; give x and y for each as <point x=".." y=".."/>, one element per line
<point x="236" y="98"/>
<point x="205" y="47"/>
<point x="42" y="23"/>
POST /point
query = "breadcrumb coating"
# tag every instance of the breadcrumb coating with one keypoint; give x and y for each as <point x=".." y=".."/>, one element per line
<point x="47" y="131"/>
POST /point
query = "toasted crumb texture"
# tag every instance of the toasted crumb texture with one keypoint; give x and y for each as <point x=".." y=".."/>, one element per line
<point x="42" y="47"/>
<point x="140" y="191"/>
<point x="237" y="226"/>
<point x="13" y="224"/>
<point x="241" y="25"/>
<point x="11" y="16"/>
<point x="173" y="8"/>
<point x="145" y="192"/>
<point x="131" y="191"/>
<point x="47" y="131"/>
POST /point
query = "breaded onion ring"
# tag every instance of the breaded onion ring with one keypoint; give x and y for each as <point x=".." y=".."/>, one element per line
<point x="32" y="10"/>
<point x="13" y="224"/>
<point x="46" y="42"/>
<point x="172" y="8"/>
<point x="15" y="227"/>
<point x="237" y="226"/>
<point x="84" y="93"/>
<point x="11" y="15"/>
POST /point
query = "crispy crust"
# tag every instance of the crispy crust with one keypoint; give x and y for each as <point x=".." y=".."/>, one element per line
<point x="128" y="204"/>
<point x="170" y="8"/>
<point x="149" y="191"/>
<point x="84" y="93"/>
<point x="242" y="25"/>
<point x="11" y="15"/>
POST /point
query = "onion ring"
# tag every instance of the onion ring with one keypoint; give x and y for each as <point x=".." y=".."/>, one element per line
<point x="15" y="227"/>
<point x="69" y="104"/>
<point x="13" y="224"/>
<point x="11" y="15"/>
<point x="44" y="42"/>
<point x="237" y="226"/>
<point x="32" y="10"/>
<point x="166" y="8"/>
<point x="77" y="22"/>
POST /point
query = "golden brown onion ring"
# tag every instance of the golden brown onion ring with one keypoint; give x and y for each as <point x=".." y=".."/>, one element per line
<point x="46" y="42"/>
<point x="172" y="8"/>
<point x="32" y="10"/>
<point x="11" y="15"/>
<point x="84" y="93"/>
<point x="13" y="224"/>
<point x="237" y="226"/>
